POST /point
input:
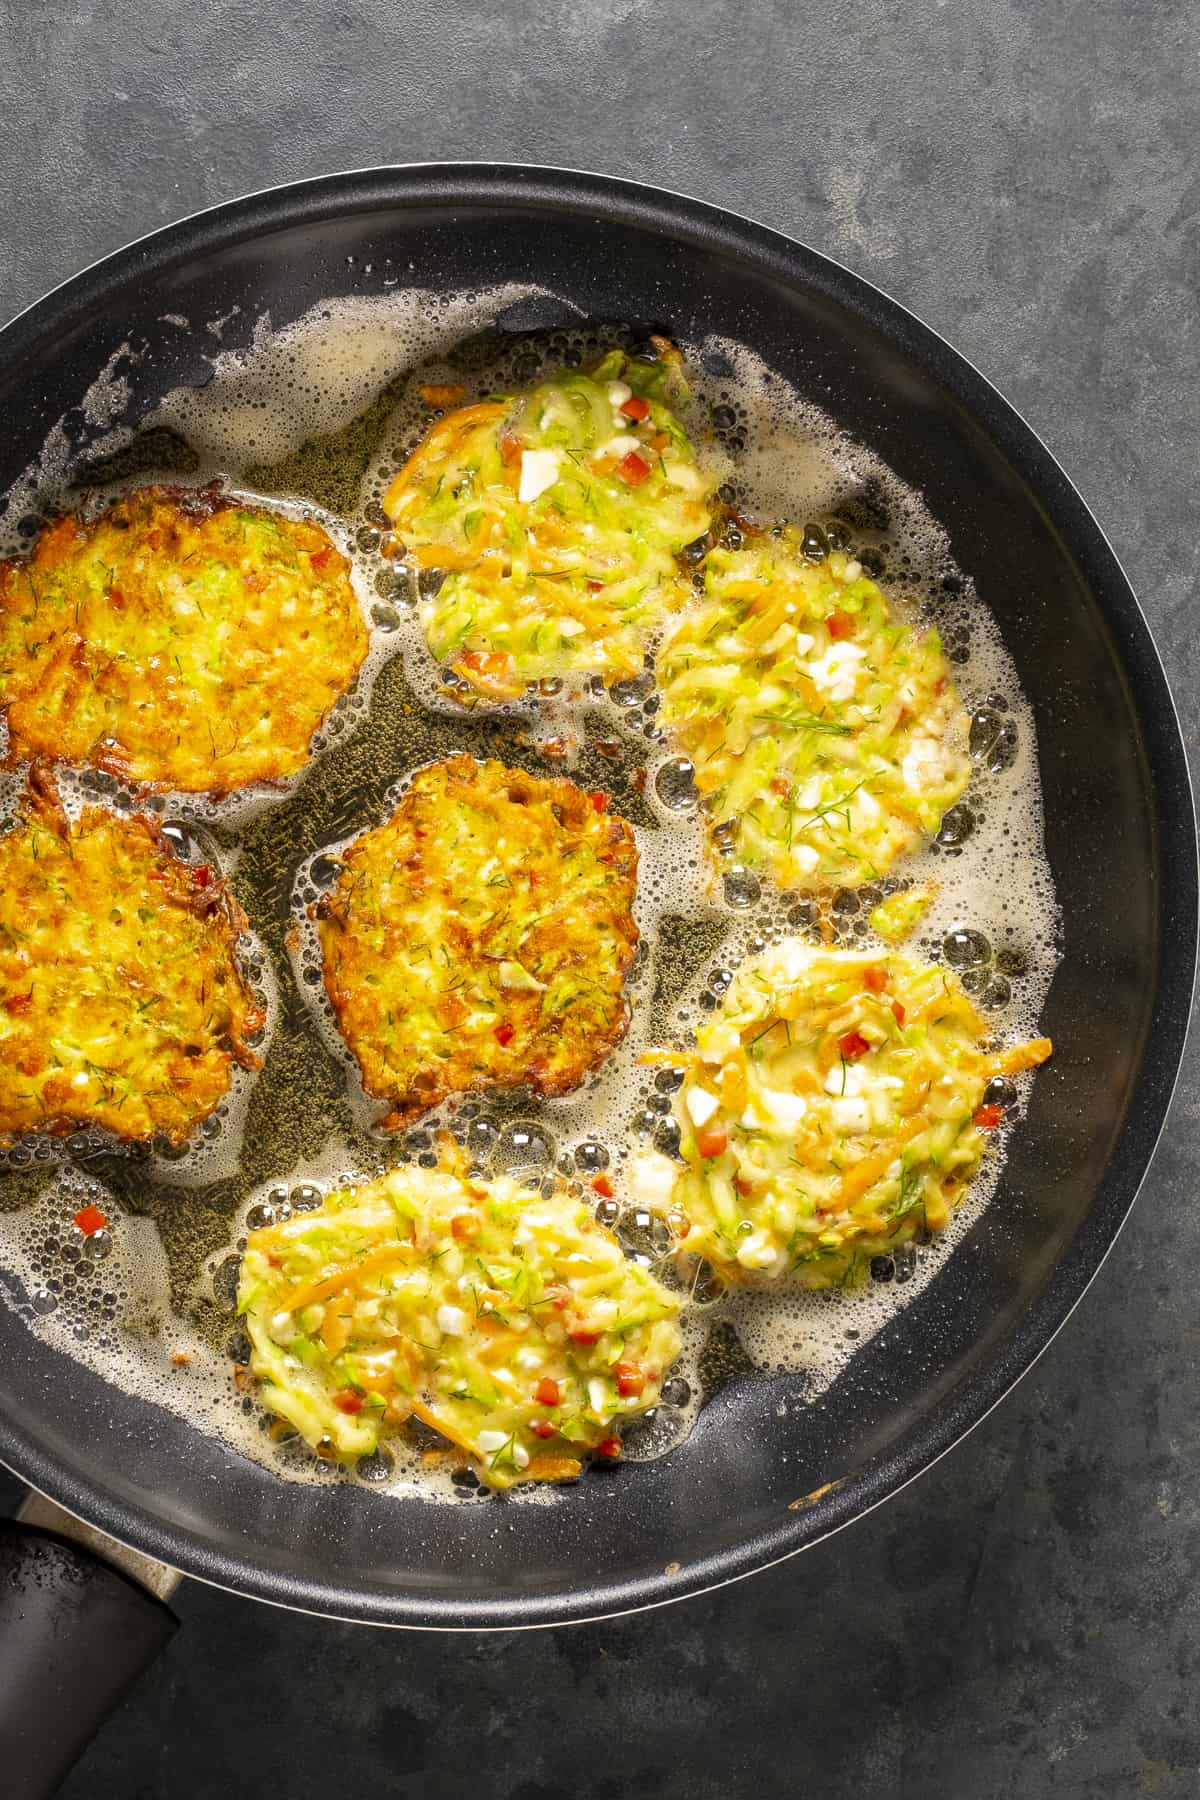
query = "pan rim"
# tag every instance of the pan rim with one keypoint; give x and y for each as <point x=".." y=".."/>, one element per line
<point x="275" y="207"/>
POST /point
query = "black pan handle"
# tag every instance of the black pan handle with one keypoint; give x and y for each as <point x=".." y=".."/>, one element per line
<point x="76" y="1632"/>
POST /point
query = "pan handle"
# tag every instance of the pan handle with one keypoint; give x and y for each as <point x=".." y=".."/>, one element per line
<point x="81" y="1618"/>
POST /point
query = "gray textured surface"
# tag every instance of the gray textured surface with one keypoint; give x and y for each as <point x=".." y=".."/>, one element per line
<point x="1020" y="173"/>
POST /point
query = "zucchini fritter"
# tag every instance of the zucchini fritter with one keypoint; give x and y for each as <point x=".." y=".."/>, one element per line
<point x="558" y="515"/>
<point x="180" y="641"/>
<point x="121" y="1002"/>
<point x="508" y="1321"/>
<point x="826" y="734"/>
<point x="833" y="1106"/>
<point x="481" y="938"/>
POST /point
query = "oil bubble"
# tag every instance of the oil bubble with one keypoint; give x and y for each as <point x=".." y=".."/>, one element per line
<point x="964" y="948"/>
<point x="675" y="784"/>
<point x="742" y="888"/>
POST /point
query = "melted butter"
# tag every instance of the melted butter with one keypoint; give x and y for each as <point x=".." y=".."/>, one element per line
<point x="316" y="418"/>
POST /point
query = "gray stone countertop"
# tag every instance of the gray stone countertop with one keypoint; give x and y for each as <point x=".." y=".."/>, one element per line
<point x="1022" y="174"/>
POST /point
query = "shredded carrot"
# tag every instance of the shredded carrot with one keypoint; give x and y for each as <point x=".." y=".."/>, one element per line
<point x="349" y="1275"/>
<point x="864" y="1174"/>
<point x="553" y="1468"/>
<point x="1019" y="1057"/>
<point x="335" y="1328"/>
<point x="428" y="1417"/>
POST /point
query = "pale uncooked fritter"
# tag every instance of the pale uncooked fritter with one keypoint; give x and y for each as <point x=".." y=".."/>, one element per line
<point x="507" y="1320"/>
<point x="557" y="516"/>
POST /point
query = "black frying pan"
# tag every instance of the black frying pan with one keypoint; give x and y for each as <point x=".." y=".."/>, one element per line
<point x="1121" y="841"/>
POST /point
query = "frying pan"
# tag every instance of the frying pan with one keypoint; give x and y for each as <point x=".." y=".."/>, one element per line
<point x="739" y="1494"/>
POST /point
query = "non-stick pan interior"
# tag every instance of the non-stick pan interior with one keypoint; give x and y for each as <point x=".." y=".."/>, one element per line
<point x="1120" y="839"/>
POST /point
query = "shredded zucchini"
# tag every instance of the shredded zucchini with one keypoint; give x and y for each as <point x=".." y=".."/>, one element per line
<point x="508" y="1321"/>
<point x="832" y="1108"/>
<point x="558" y="519"/>
<point x="826" y="734"/>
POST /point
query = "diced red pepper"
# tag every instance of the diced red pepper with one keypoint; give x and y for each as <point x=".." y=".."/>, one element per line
<point x="542" y="1428"/>
<point x="839" y="625"/>
<point x="116" y="599"/>
<point x="635" y="407"/>
<point x="853" y="1046"/>
<point x="629" y="1379"/>
<point x="320" y="559"/>
<point x="781" y="785"/>
<point x="348" y="1401"/>
<point x="594" y="587"/>
<point x="19" y="1003"/>
<point x="875" y="978"/>
<point x="633" y="469"/>
<point x="987" y="1117"/>
<point x="898" y="1012"/>
<point x="546" y="1392"/>
<point x="599" y="801"/>
<point x="510" y="449"/>
<point x="583" y="1334"/>
<point x="711" y="1143"/>
<point x="464" y="1227"/>
<point x="202" y="874"/>
<point x="609" y="1447"/>
<point x="504" y="1034"/>
<point x="90" y="1220"/>
<point x="603" y="1186"/>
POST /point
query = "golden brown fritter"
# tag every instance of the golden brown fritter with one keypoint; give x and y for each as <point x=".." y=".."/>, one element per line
<point x="481" y="938"/>
<point x="121" y="1002"/>
<point x="180" y="640"/>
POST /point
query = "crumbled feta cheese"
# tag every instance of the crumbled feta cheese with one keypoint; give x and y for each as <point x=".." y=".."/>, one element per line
<point x="597" y="1394"/>
<point x="836" y="673"/>
<point x="791" y="958"/>
<point x="783" y="1109"/>
<point x="755" y="1251"/>
<point x="805" y="858"/>
<point x="924" y="765"/>
<point x="79" y="1080"/>
<point x="701" y="1105"/>
<point x="619" y="393"/>
<point x="451" y="1321"/>
<point x="491" y="1441"/>
<point x="283" y="1327"/>
<point x="845" y="1082"/>
<point x="539" y="471"/>
<point x="652" y="1178"/>
<point x="618" y="446"/>
<point x="851" y="1115"/>
<point x="520" y="1456"/>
